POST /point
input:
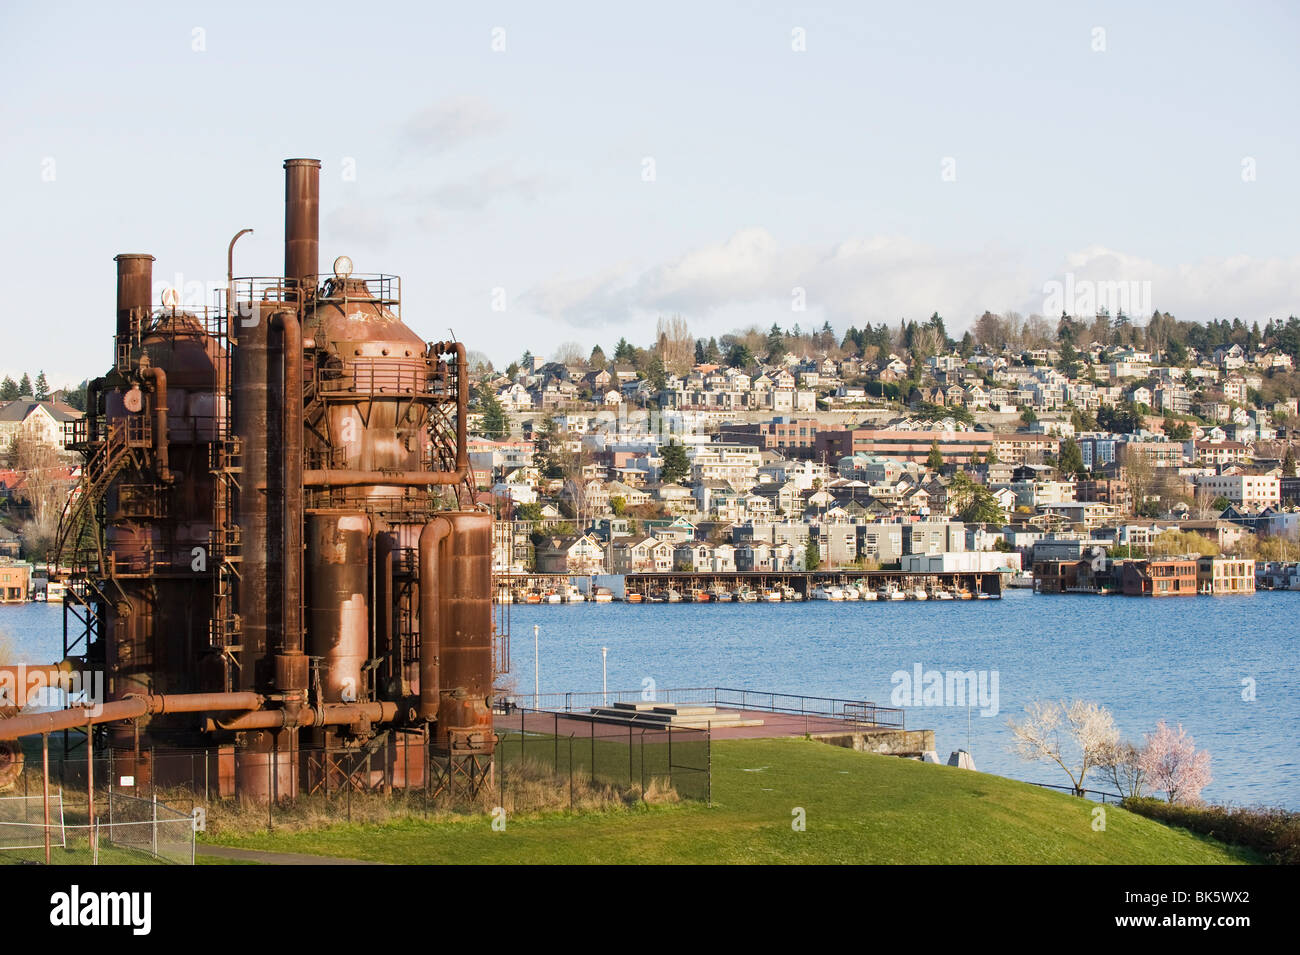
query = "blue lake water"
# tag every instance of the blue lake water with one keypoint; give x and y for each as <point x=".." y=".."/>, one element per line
<point x="1183" y="661"/>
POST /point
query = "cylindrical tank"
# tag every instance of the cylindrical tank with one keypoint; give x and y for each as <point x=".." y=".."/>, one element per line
<point x="134" y="291"/>
<point x="465" y="715"/>
<point x="338" y="564"/>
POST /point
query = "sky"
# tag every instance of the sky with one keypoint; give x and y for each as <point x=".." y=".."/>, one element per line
<point x="568" y="172"/>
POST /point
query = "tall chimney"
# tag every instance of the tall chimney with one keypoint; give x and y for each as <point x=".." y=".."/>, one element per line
<point x="134" y="290"/>
<point x="301" y="220"/>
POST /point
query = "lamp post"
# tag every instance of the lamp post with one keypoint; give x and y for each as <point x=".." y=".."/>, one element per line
<point x="604" y="675"/>
<point x="537" y="667"/>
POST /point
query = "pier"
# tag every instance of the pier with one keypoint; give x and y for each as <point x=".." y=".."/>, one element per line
<point x="764" y="586"/>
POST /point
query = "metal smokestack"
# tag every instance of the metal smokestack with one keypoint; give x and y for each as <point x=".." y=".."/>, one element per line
<point x="134" y="290"/>
<point x="301" y="220"/>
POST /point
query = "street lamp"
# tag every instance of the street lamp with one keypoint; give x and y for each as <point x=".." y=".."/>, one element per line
<point x="537" y="667"/>
<point x="604" y="674"/>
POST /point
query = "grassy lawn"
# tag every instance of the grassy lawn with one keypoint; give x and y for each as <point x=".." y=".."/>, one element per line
<point x="860" y="808"/>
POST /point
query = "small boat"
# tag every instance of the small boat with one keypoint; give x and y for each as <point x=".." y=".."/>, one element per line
<point x="827" y="593"/>
<point x="672" y="596"/>
<point x="633" y="598"/>
<point x="721" y="596"/>
<point x="701" y="596"/>
<point x="963" y="594"/>
<point x="602" y="596"/>
<point x="573" y="595"/>
<point x="851" y="593"/>
<point x="865" y="592"/>
<point x="790" y="594"/>
<point x="532" y="597"/>
<point x="942" y="594"/>
<point x="1024" y="579"/>
<point x="983" y="596"/>
<point x="552" y="597"/>
<point x="890" y="592"/>
<point x="656" y="597"/>
<point x="772" y="596"/>
<point x="917" y="594"/>
<point x="745" y="595"/>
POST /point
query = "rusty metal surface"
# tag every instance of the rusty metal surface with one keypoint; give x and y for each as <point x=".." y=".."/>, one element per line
<point x="322" y="445"/>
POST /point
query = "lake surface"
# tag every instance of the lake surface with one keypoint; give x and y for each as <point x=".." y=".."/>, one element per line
<point x="1181" y="660"/>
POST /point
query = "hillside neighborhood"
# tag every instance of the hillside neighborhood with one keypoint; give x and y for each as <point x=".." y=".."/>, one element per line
<point x="862" y="453"/>
<point x="695" y="455"/>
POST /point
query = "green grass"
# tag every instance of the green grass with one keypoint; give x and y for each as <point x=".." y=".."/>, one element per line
<point x="860" y="808"/>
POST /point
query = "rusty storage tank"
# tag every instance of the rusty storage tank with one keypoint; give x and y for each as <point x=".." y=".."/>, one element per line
<point x="324" y="456"/>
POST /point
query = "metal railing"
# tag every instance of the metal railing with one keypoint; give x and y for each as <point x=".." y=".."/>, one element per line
<point x="857" y="712"/>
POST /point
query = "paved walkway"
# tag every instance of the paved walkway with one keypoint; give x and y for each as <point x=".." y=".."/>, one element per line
<point x="275" y="858"/>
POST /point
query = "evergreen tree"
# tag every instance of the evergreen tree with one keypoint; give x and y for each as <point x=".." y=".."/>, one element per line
<point x="623" y="352"/>
<point x="9" y="389"/>
<point x="597" y="359"/>
<point x="935" y="461"/>
<point x="675" y="464"/>
<point x="493" y="423"/>
<point x="1288" y="462"/>
<point x="1071" y="460"/>
<point x="24" y="386"/>
<point x="42" y="392"/>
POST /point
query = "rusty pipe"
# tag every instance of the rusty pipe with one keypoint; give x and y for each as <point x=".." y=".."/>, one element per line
<point x="232" y="306"/>
<point x="431" y="538"/>
<point x="343" y="478"/>
<point x="301" y="222"/>
<point x="293" y="670"/>
<point x="130" y="708"/>
<point x="327" y="714"/>
<point x="159" y="378"/>
<point x="384" y="604"/>
<point x="134" y="292"/>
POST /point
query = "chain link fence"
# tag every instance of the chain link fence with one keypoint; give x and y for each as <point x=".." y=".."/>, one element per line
<point x="576" y="750"/>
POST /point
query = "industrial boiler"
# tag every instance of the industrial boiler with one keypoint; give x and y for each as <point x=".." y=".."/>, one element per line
<point x="274" y="553"/>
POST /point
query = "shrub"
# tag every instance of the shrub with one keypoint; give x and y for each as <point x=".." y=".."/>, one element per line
<point x="1272" y="831"/>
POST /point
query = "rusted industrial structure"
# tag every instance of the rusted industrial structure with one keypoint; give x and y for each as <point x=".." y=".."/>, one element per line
<point x="274" y="553"/>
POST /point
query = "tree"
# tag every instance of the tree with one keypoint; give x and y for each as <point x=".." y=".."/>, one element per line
<point x="974" y="503"/>
<point x="618" y="505"/>
<point x="24" y="386"/>
<point x="1071" y="459"/>
<point x="812" y="558"/>
<point x="1177" y="430"/>
<point x="1175" y="543"/>
<point x="1174" y="766"/>
<point x="1288" y="462"/>
<point x="675" y="464"/>
<point x="675" y="346"/>
<point x="1028" y="416"/>
<point x="597" y="359"/>
<point x="530" y="511"/>
<point x="9" y="389"/>
<point x="739" y="356"/>
<point x="655" y="375"/>
<point x="1121" y="766"/>
<point x="935" y="460"/>
<point x="493" y="422"/>
<point x="623" y="352"/>
<point x="1077" y="736"/>
<point x="42" y="392"/>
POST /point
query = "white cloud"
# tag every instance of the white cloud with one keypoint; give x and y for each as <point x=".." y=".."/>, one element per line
<point x="885" y="278"/>
<point x="450" y="122"/>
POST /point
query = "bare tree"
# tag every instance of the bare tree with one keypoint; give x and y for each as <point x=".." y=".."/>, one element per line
<point x="675" y="345"/>
<point x="1075" y="736"/>
<point x="570" y="353"/>
<point x="1121" y="766"/>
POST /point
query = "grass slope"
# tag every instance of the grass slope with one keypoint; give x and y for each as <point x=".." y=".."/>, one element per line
<point x="860" y="808"/>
